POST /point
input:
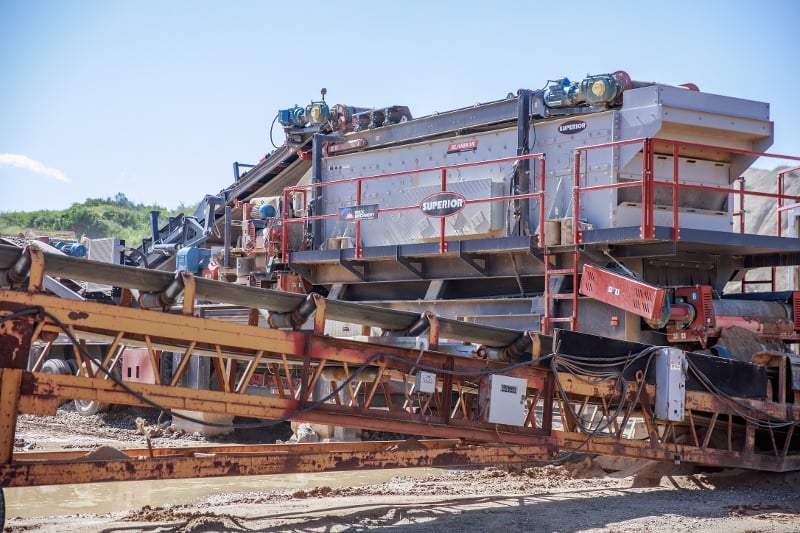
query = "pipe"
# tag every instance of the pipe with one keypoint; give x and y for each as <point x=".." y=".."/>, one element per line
<point x="524" y="166"/>
<point x="167" y="248"/>
<point x="154" y="227"/>
<point x="514" y="352"/>
<point x="760" y="325"/>
<point x="763" y="317"/>
<point x="339" y="374"/>
<point x="165" y="298"/>
<point x="417" y="328"/>
<point x="752" y="308"/>
<point x="316" y="178"/>
<point x="226" y="258"/>
<point x="19" y="271"/>
<point x="236" y="169"/>
<point x="296" y="318"/>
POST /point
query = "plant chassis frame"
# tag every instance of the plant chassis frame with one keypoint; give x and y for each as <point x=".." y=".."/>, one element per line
<point x="716" y="429"/>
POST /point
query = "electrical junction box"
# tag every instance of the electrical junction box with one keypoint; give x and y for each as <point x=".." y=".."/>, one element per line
<point x="670" y="384"/>
<point x="501" y="400"/>
<point x="426" y="382"/>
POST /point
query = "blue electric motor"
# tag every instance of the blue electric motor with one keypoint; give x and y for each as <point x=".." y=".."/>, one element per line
<point x="74" y="249"/>
<point x="294" y="117"/>
<point x="192" y="259"/>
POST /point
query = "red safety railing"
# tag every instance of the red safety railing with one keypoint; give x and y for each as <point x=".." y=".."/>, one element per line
<point x="357" y="183"/>
<point x="781" y="208"/>
<point x="648" y="183"/>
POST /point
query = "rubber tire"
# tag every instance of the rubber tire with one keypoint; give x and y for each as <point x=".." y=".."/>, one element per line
<point x="88" y="407"/>
<point x="56" y="366"/>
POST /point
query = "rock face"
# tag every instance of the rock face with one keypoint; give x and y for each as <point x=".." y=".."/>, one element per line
<point x="304" y="434"/>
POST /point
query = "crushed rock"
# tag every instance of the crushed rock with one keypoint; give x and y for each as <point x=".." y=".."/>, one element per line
<point x="105" y="453"/>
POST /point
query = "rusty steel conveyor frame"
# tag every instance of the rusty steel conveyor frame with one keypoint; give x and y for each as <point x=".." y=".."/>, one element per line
<point x="449" y="414"/>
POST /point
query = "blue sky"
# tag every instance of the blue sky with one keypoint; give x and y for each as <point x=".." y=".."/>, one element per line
<point x="157" y="99"/>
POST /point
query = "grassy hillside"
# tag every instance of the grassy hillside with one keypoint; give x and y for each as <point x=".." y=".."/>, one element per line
<point x="95" y="218"/>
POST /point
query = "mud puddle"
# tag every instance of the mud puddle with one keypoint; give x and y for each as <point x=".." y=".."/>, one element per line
<point x="101" y="498"/>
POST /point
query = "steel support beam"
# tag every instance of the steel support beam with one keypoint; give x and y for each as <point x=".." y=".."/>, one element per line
<point x="243" y="461"/>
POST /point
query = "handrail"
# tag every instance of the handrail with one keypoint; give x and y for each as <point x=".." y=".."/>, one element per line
<point x="443" y="169"/>
<point x="648" y="182"/>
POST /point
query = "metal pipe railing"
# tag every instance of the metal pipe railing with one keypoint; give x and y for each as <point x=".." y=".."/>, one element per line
<point x="649" y="182"/>
<point x="442" y="170"/>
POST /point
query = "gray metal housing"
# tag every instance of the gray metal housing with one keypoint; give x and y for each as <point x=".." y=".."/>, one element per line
<point x="655" y="111"/>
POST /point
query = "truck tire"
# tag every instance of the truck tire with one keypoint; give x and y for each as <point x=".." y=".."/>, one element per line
<point x="56" y="366"/>
<point x="89" y="407"/>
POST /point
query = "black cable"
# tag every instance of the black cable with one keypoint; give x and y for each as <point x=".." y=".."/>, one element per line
<point x="134" y="251"/>
<point x="648" y="352"/>
<point x="737" y="406"/>
<point x="19" y="314"/>
<point x="554" y="359"/>
<point x="486" y="372"/>
<point x="272" y="126"/>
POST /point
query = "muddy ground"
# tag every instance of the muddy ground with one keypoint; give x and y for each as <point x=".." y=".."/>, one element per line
<point x="585" y="494"/>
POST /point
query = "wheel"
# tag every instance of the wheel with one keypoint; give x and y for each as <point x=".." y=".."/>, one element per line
<point x="55" y="366"/>
<point x="89" y="408"/>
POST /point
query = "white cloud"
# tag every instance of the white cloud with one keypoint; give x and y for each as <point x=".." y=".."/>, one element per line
<point x="21" y="161"/>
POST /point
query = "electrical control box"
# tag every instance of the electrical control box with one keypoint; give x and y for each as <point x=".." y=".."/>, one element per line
<point x="426" y="382"/>
<point x="501" y="400"/>
<point x="670" y="366"/>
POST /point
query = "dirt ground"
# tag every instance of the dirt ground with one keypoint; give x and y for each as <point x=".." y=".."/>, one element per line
<point x="585" y="494"/>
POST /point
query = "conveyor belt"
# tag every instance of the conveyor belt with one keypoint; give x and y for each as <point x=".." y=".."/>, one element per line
<point x="275" y="301"/>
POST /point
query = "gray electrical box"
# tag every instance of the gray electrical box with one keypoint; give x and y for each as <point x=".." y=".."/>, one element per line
<point x="426" y="382"/>
<point x="501" y="400"/>
<point x="670" y="384"/>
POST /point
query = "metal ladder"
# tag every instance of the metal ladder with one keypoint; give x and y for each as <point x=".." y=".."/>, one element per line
<point x="553" y="273"/>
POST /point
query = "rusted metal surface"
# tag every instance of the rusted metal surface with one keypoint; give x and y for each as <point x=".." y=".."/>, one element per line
<point x="57" y="469"/>
<point x="15" y="335"/>
<point x="10" y="380"/>
<point x="684" y="453"/>
<point x="717" y="430"/>
<point x="164" y="329"/>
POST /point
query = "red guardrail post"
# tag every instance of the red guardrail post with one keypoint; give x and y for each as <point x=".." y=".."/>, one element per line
<point x="780" y="203"/>
<point x="648" y="227"/>
<point x="442" y="241"/>
<point x="358" y="222"/>
<point x="285" y="227"/>
<point x="541" y="202"/>
<point x="676" y="229"/>
<point x="576" y="197"/>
